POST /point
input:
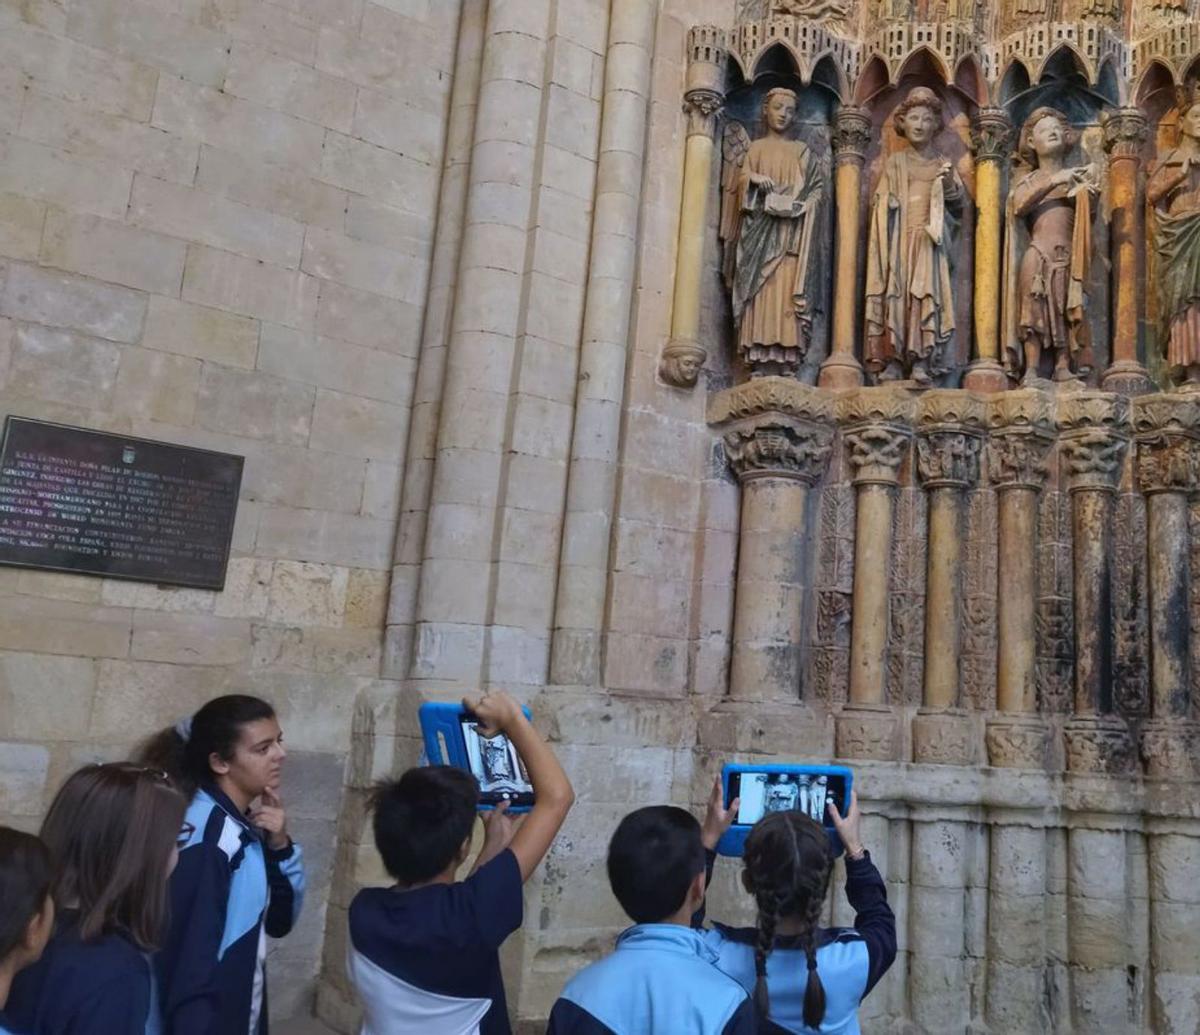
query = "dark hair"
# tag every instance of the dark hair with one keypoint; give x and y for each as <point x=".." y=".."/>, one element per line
<point x="214" y="730"/>
<point x="25" y="879"/>
<point x="919" y="97"/>
<point x="422" y="820"/>
<point x="788" y="860"/>
<point x="110" y="831"/>
<point x="653" y="857"/>
<point x="1025" y="142"/>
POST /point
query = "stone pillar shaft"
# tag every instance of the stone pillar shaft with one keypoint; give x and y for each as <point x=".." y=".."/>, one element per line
<point x="1167" y="532"/>
<point x="943" y="634"/>
<point x="693" y="220"/>
<point x="1091" y="513"/>
<point x="991" y="133"/>
<point x="1016" y="591"/>
<point x="872" y="560"/>
<point x="1124" y="135"/>
<point x="851" y="136"/>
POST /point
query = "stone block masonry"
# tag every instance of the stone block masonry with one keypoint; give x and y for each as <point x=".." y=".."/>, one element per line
<point x="216" y="228"/>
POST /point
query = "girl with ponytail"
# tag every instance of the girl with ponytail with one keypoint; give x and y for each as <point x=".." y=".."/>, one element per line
<point x="804" y="978"/>
<point x="240" y="876"/>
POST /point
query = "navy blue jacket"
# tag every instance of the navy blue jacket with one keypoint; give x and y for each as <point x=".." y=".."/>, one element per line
<point x="102" y="987"/>
<point x="228" y="892"/>
<point x="849" y="960"/>
<point x="660" y="980"/>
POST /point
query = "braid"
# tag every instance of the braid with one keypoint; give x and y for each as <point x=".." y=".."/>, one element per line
<point x="768" y="919"/>
<point x="787" y="866"/>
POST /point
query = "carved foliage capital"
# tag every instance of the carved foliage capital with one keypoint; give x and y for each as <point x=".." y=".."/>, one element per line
<point x="701" y="108"/>
<point x="948" y="457"/>
<point x="851" y="134"/>
<point x="991" y="135"/>
<point x="1168" y="462"/>
<point x="1017" y="742"/>
<point x="1125" y="132"/>
<point x="776" y="448"/>
<point x="1094" y="458"/>
<point x="876" y="452"/>
<point x="1017" y="458"/>
<point x="762" y="395"/>
<point x="876" y="404"/>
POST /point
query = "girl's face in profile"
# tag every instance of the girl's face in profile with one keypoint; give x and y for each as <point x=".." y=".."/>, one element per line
<point x="257" y="762"/>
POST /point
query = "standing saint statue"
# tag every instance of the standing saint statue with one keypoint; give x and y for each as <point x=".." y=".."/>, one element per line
<point x="772" y="194"/>
<point x="1174" y="191"/>
<point x="910" y="309"/>
<point x="1045" y="297"/>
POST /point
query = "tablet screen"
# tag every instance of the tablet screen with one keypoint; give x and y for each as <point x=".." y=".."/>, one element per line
<point x="495" y="764"/>
<point x="765" y="792"/>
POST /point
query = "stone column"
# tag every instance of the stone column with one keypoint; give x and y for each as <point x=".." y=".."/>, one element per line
<point x="778" y="436"/>
<point x="950" y="428"/>
<point x="876" y="433"/>
<point x="991" y="142"/>
<point x="850" y="138"/>
<point x="1020" y="441"/>
<point x="683" y="355"/>
<point x="1094" y="438"/>
<point x="592" y="478"/>
<point x="1168" y="471"/>
<point x="1124" y="135"/>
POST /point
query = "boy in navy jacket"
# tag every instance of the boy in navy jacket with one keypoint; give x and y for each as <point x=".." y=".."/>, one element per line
<point x="662" y="978"/>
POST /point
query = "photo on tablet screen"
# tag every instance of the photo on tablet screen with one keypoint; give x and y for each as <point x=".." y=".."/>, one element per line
<point x="761" y="793"/>
<point x="495" y="764"/>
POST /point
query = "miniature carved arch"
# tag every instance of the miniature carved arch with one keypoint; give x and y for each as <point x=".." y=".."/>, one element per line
<point x="874" y="79"/>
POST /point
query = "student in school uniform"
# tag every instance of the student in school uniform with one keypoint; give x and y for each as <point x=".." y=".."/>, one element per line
<point x="424" y="954"/>
<point x="111" y="833"/>
<point x="26" y="910"/>
<point x="240" y="877"/>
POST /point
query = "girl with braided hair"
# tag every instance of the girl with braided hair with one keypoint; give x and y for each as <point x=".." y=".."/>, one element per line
<point x="805" y="979"/>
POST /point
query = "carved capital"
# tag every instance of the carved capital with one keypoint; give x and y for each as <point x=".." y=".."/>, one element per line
<point x="701" y="108"/>
<point x="1124" y="132"/>
<point x="876" y="404"/>
<point x="851" y="134"/>
<point x="948" y="457"/>
<point x="1021" y="408"/>
<point x="1168" y="462"/>
<point x="771" y="447"/>
<point x="1099" y="745"/>
<point x="876" y="452"/>
<point x="991" y="135"/>
<point x="1095" y="436"/>
<point x="1017" y="459"/>
<point x="681" y="363"/>
<point x="1171" y="750"/>
<point x="1174" y="412"/>
<point x="944" y="738"/>
<point x="1017" y="742"/>
<point x="866" y="733"/>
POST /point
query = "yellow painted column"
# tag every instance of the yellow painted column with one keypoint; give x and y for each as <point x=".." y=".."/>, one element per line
<point x="851" y="136"/>
<point x="683" y="355"/>
<point x="1124" y="135"/>
<point x="991" y="140"/>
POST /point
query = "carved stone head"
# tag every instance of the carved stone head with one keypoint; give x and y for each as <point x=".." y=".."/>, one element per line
<point x="680" y="364"/>
<point x="920" y="116"/>
<point x="779" y="109"/>
<point x="1189" y="115"/>
<point x="1046" y="132"/>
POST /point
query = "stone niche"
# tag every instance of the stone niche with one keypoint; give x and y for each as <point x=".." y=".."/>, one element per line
<point x="961" y="402"/>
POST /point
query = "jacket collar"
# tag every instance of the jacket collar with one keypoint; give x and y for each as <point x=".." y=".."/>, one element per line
<point x="223" y="801"/>
<point x="667" y="938"/>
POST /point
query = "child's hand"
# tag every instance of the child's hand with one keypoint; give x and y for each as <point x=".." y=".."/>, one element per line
<point x="495" y="710"/>
<point x="717" y="819"/>
<point x="847" y="827"/>
<point x="498" y="830"/>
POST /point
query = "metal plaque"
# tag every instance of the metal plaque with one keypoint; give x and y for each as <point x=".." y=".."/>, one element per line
<point x="99" y="504"/>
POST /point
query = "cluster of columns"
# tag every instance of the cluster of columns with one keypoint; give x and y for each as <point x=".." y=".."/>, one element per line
<point x="1125" y="131"/>
<point x="777" y="435"/>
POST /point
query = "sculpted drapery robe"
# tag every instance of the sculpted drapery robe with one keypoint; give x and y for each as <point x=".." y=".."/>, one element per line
<point x="910" y="308"/>
<point x="1176" y="199"/>
<point x="776" y="234"/>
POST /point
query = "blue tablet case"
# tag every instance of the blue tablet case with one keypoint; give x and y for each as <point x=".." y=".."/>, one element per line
<point x="733" y="841"/>
<point x="441" y="717"/>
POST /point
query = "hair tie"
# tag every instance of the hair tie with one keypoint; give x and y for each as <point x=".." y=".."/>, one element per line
<point x="183" y="729"/>
<point x="812" y="962"/>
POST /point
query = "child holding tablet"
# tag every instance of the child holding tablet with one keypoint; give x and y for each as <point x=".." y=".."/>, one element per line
<point x="26" y="909"/>
<point x="424" y="954"/>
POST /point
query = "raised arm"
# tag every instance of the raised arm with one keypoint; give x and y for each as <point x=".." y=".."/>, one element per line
<point x="1164" y="179"/>
<point x="553" y="797"/>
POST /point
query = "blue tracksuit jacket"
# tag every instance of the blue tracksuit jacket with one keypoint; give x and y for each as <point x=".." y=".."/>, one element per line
<point x="849" y="960"/>
<point x="101" y="987"/>
<point x="660" y="980"/>
<point x="228" y="892"/>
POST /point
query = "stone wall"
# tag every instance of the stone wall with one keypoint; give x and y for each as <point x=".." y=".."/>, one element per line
<point x="216" y="229"/>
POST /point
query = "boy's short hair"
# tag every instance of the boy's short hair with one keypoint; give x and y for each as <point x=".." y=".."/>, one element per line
<point x="653" y="858"/>
<point x="422" y="820"/>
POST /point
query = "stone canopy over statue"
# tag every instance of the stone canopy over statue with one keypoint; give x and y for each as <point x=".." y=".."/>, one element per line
<point x="773" y="191"/>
